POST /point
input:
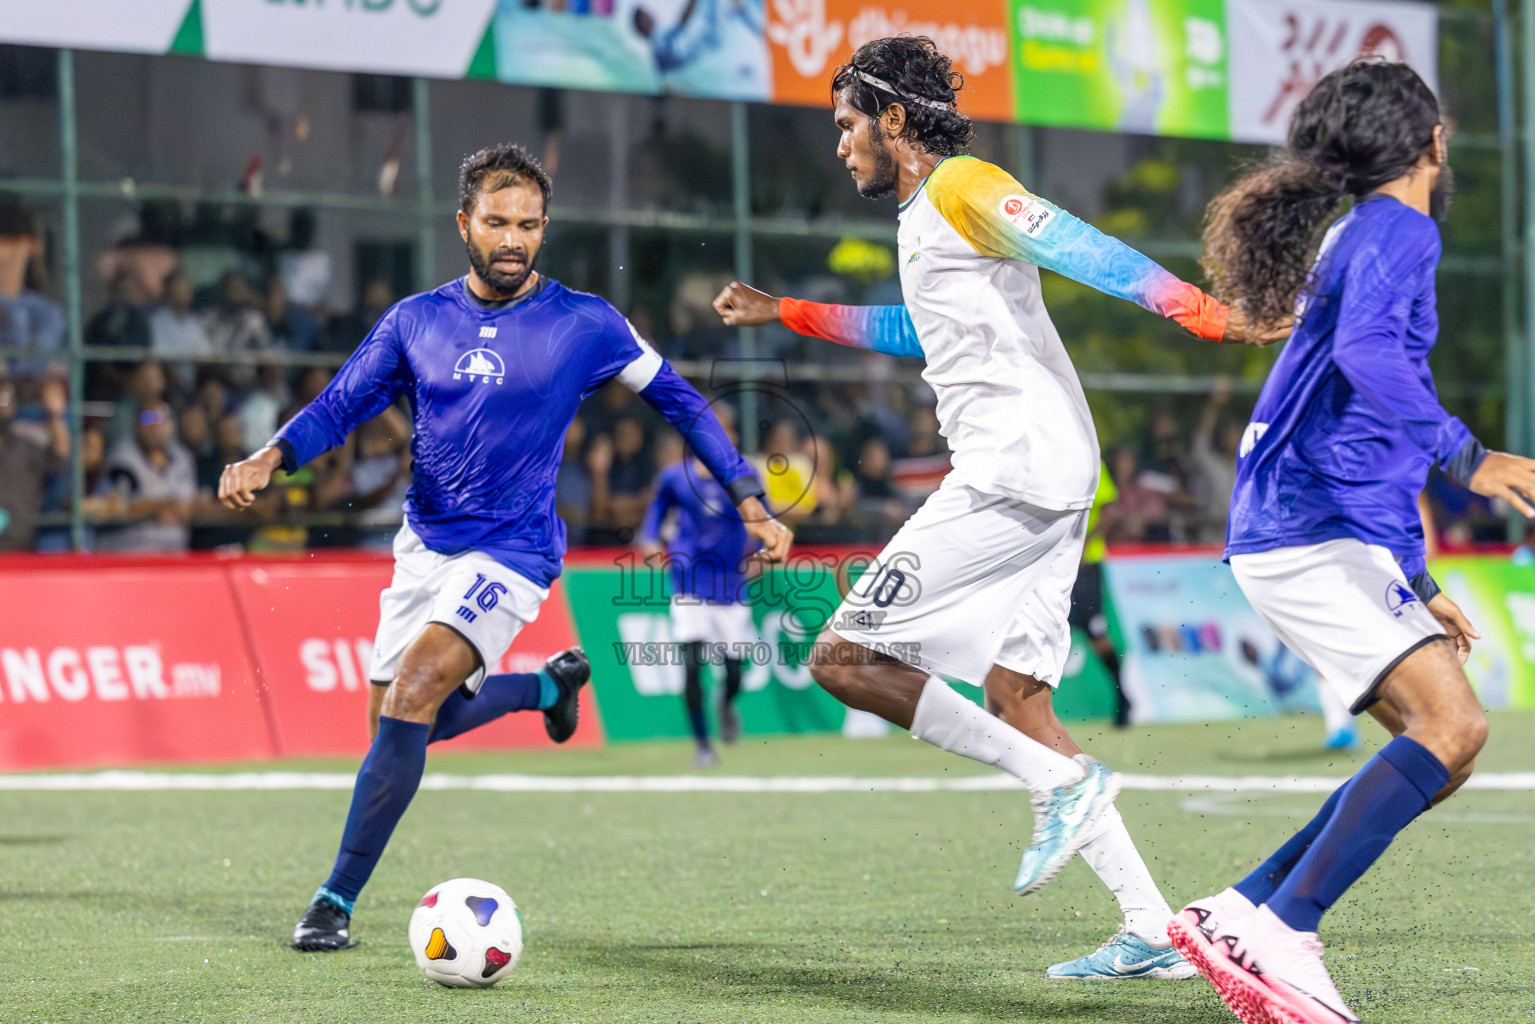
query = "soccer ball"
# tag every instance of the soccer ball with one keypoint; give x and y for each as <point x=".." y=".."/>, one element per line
<point x="466" y="933"/>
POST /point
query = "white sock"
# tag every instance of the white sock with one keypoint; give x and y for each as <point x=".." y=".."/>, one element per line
<point x="1112" y="854"/>
<point x="1335" y="713"/>
<point x="953" y="723"/>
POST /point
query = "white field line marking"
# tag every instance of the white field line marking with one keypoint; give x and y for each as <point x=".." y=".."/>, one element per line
<point x="277" y="780"/>
<point x="1235" y="805"/>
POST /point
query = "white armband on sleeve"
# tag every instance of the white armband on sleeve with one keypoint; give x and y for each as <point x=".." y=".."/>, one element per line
<point x="638" y="374"/>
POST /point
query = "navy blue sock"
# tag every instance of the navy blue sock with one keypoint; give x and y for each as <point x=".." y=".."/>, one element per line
<point x="514" y="691"/>
<point x="693" y="692"/>
<point x="1393" y="788"/>
<point x="1260" y="885"/>
<point x="385" y="785"/>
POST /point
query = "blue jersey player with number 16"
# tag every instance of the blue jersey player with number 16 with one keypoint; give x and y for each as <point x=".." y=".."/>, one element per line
<point x="494" y="366"/>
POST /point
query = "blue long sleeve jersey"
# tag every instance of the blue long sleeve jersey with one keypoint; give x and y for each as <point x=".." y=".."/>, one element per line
<point x="492" y="392"/>
<point x="1348" y="422"/>
<point x="707" y="556"/>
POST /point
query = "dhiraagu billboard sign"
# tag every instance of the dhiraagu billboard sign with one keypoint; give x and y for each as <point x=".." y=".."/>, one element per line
<point x="1155" y="68"/>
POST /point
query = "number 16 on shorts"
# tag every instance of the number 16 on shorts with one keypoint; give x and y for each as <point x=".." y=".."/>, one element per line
<point x="484" y="594"/>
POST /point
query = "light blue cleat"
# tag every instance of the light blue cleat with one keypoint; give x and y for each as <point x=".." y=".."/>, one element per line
<point x="1126" y="956"/>
<point x="1064" y="819"/>
<point x="1346" y="738"/>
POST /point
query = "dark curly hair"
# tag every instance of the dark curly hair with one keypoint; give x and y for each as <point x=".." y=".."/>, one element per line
<point x="916" y="68"/>
<point x="497" y="167"/>
<point x="1360" y="127"/>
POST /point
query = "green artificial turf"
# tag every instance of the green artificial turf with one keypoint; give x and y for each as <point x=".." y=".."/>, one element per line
<point x="704" y="907"/>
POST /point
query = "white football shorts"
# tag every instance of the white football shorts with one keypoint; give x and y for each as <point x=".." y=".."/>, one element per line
<point x="970" y="581"/>
<point x="729" y="623"/>
<point x="470" y="593"/>
<point x="1343" y="607"/>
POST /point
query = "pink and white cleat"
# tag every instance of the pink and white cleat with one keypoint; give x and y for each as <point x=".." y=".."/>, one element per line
<point x="1266" y="971"/>
<point x="1200" y="920"/>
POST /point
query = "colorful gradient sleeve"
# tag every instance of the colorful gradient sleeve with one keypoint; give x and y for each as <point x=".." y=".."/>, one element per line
<point x="1001" y="219"/>
<point x="886" y="329"/>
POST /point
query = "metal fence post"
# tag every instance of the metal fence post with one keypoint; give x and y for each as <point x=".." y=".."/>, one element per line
<point x="69" y="174"/>
<point x="426" y="234"/>
<point x="740" y="177"/>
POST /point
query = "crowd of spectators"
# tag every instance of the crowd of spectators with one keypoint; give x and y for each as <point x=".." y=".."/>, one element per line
<point x="187" y="378"/>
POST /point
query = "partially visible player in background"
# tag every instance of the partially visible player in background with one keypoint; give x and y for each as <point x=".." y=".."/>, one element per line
<point x="1088" y="612"/>
<point x="1324" y="536"/>
<point x="706" y="557"/>
<point x="494" y="365"/>
<point x="977" y="584"/>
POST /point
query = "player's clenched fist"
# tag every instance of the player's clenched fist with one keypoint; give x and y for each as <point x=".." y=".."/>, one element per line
<point x="241" y="480"/>
<point x="760" y="526"/>
<point x="742" y="305"/>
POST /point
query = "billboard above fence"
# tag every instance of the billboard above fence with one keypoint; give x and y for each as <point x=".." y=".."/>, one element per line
<point x="1218" y="69"/>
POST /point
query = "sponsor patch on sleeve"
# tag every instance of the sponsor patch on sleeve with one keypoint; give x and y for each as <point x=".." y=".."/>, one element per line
<point x="1025" y="213"/>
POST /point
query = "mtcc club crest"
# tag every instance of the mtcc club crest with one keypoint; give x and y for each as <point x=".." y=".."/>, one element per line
<point x="1398" y="596"/>
<point x="480" y="366"/>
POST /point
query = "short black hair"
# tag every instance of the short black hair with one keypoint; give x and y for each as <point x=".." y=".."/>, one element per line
<point x="497" y="167"/>
<point x="16" y="220"/>
<point x="916" y="68"/>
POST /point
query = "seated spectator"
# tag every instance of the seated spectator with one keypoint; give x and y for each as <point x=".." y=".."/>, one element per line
<point x="100" y="502"/>
<point x="922" y="436"/>
<point x="143" y="257"/>
<point x="304" y="268"/>
<point x="156" y="477"/>
<point x="311" y="382"/>
<point x="176" y="333"/>
<point x="611" y="404"/>
<point x="573" y="485"/>
<point x="213" y="396"/>
<point x="260" y="411"/>
<point x="291" y="327"/>
<point x="1140" y="514"/>
<point x="835" y="493"/>
<point x="621" y="474"/>
<point x="879" y="503"/>
<point x="197" y="437"/>
<point x="124" y="320"/>
<point x="670" y="450"/>
<point x="28" y="319"/>
<point x="786" y="472"/>
<point x="229" y="441"/>
<point x="1164" y="467"/>
<point x="349" y="330"/>
<point x="30" y="453"/>
<point x="1213" y="453"/>
<point x="234" y="322"/>
<point x="380" y="469"/>
<point x="144" y="388"/>
<point x="925" y="463"/>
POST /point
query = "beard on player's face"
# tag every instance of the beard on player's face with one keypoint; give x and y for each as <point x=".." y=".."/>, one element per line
<point x="881" y="180"/>
<point x="507" y="277"/>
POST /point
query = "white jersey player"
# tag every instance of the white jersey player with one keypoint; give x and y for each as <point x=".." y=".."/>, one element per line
<point x="977" y="585"/>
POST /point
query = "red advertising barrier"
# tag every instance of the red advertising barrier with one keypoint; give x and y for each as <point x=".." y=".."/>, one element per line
<point x="129" y="661"/>
<point x="311" y="628"/>
<point x="120" y="665"/>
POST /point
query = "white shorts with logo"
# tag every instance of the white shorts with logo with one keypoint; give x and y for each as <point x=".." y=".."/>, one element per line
<point x="470" y="593"/>
<point x="730" y="623"/>
<point x="970" y="581"/>
<point x="1343" y="607"/>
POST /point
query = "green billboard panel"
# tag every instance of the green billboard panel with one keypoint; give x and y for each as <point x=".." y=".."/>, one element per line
<point x="1122" y="65"/>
